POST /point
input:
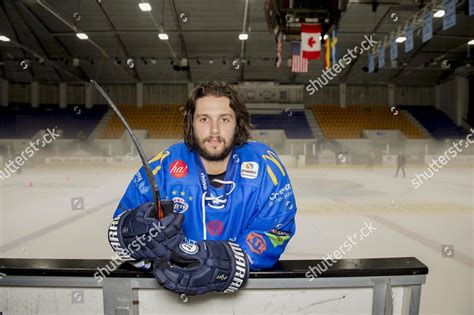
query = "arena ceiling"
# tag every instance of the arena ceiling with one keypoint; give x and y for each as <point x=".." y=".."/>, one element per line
<point x="44" y="46"/>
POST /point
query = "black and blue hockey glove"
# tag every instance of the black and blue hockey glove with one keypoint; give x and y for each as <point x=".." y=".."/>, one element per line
<point x="138" y="234"/>
<point x="206" y="266"/>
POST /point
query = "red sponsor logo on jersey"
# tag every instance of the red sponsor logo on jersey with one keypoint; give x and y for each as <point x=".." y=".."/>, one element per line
<point x="178" y="169"/>
<point x="256" y="243"/>
<point x="215" y="227"/>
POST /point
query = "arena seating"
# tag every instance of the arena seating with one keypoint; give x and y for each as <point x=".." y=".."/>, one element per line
<point x="21" y="121"/>
<point x="165" y="121"/>
<point x="161" y="121"/>
<point x="349" y="122"/>
<point x="438" y="124"/>
<point x="294" y="123"/>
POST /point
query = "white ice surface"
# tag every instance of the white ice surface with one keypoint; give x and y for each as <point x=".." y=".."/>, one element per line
<point x="333" y="202"/>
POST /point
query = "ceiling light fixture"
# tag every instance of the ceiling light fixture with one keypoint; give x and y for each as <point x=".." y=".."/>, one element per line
<point x="145" y="6"/>
<point x="163" y="36"/>
<point x="82" y="36"/>
<point x="400" y="39"/>
<point x="243" y="36"/>
<point x="439" y="14"/>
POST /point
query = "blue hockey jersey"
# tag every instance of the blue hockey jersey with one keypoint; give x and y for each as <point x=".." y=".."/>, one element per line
<point x="254" y="206"/>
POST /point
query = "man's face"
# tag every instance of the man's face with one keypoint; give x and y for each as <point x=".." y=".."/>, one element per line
<point x="214" y="127"/>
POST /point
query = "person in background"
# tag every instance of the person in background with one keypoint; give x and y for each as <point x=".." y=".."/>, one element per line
<point x="401" y="161"/>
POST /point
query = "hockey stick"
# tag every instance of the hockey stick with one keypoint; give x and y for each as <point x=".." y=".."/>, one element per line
<point x="149" y="173"/>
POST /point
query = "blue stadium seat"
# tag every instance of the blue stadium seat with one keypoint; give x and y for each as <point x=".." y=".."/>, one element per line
<point x="438" y="124"/>
<point x="294" y="124"/>
<point x="21" y="121"/>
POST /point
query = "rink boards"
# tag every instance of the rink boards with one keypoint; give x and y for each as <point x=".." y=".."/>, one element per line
<point x="350" y="286"/>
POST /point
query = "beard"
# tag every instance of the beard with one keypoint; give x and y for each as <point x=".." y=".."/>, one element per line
<point x="213" y="156"/>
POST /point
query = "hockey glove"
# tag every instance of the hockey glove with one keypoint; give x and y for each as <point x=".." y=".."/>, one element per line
<point x="206" y="266"/>
<point x="138" y="234"/>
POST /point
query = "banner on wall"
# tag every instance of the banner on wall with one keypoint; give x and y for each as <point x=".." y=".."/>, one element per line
<point x="371" y="63"/>
<point x="427" y="26"/>
<point x="393" y="49"/>
<point x="409" y="36"/>
<point x="449" y="19"/>
<point x="381" y="56"/>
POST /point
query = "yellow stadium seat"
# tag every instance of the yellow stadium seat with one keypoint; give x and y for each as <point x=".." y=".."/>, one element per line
<point x="336" y="122"/>
<point x="161" y="121"/>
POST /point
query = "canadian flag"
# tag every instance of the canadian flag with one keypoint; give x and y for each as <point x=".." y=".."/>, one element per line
<point x="310" y="42"/>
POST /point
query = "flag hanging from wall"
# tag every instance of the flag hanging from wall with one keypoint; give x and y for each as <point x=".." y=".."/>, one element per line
<point x="330" y="48"/>
<point x="311" y="41"/>
<point x="427" y="27"/>
<point x="278" y="63"/>
<point x="409" y="40"/>
<point x="381" y="55"/>
<point x="327" y="52"/>
<point x="371" y="63"/>
<point x="298" y="62"/>
<point x="334" y="45"/>
<point x="449" y="19"/>
<point x="393" y="48"/>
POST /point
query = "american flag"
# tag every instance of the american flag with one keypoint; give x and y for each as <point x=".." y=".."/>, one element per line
<point x="298" y="63"/>
<point x="278" y="63"/>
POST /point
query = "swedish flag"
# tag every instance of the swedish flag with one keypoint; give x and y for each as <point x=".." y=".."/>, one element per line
<point x="327" y="53"/>
<point x="330" y="49"/>
<point x="334" y="45"/>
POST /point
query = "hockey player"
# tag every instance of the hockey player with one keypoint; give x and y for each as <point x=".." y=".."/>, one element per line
<point x="234" y="206"/>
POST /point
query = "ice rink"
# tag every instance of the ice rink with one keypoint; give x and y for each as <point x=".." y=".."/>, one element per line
<point x="64" y="212"/>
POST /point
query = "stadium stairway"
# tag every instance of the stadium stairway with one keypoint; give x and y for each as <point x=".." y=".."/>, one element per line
<point x="102" y="125"/>
<point x="418" y="125"/>
<point x="313" y="124"/>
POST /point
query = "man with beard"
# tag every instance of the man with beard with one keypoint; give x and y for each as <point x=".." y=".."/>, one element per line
<point x="233" y="202"/>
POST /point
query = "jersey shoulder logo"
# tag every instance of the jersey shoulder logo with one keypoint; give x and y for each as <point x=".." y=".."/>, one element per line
<point x="159" y="157"/>
<point x="178" y="169"/>
<point x="271" y="156"/>
<point x="249" y="170"/>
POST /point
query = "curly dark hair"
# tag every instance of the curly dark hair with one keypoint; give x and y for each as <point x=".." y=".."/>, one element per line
<point x="218" y="89"/>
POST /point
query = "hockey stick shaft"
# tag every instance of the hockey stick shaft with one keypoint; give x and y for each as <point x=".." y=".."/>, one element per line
<point x="146" y="166"/>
